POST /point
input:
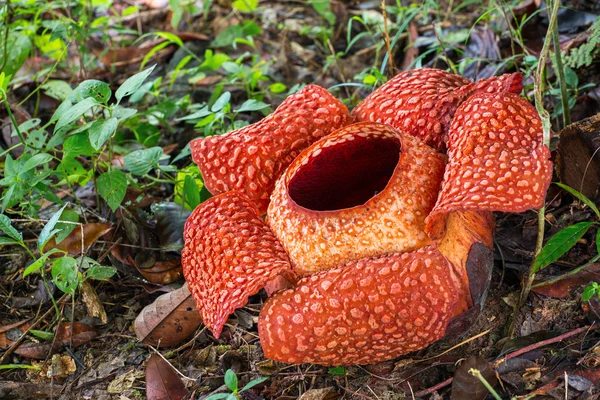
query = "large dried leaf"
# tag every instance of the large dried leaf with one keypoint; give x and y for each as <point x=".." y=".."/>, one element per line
<point x="72" y="243"/>
<point x="162" y="381"/>
<point x="67" y="334"/>
<point x="11" y="333"/>
<point x="172" y="318"/>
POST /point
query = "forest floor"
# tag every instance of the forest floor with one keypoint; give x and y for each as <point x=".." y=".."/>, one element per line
<point x="74" y="327"/>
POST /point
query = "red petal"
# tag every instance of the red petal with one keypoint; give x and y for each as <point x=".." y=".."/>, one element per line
<point x="422" y="102"/>
<point x="497" y="161"/>
<point x="250" y="159"/>
<point x="419" y="102"/>
<point x="367" y="311"/>
<point x="229" y="255"/>
<point x="363" y="191"/>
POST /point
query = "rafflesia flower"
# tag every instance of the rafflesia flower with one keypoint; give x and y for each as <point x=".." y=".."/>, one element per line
<point x="371" y="218"/>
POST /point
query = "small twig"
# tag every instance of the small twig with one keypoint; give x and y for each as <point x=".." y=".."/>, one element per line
<point x="428" y="391"/>
<point x="172" y="366"/>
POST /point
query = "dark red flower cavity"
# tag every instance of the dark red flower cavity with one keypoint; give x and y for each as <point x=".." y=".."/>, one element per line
<point x="346" y="174"/>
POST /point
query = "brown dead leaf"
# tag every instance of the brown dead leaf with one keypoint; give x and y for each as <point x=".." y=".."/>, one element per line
<point x="72" y="334"/>
<point x="172" y="318"/>
<point x="11" y="333"/>
<point x="162" y="381"/>
<point x="72" y="243"/>
<point x="92" y="302"/>
<point x="61" y="367"/>
<point x="563" y="288"/>
<point x="163" y="272"/>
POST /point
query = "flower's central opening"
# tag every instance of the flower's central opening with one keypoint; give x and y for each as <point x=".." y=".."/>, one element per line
<point x="345" y="174"/>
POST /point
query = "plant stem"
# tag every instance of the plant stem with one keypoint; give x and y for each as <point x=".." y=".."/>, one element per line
<point x="476" y="373"/>
<point x="560" y="73"/>
<point x="545" y="117"/>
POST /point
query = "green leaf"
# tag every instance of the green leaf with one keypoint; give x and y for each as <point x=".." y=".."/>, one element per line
<point x="16" y="366"/>
<point x="97" y="90"/>
<point x="77" y="145"/>
<point x="221" y="102"/>
<point x="231" y="380"/>
<point x="132" y="84"/>
<point x="140" y="162"/>
<point x="245" y="5"/>
<point x="588" y="293"/>
<point x="57" y="89"/>
<point x="559" y="244"/>
<point x="277" y="87"/>
<point x="47" y="336"/>
<point x="112" y="186"/>
<point x="170" y="37"/>
<point x="66" y="229"/>
<point x="337" y="371"/>
<point x="100" y="272"/>
<point x="252" y="105"/>
<point x="39" y="263"/>
<point x="48" y="230"/>
<point x="74" y="112"/>
<point x="218" y="396"/>
<point x="191" y="192"/>
<point x="101" y="131"/>
<point x="579" y="196"/>
<point x="19" y="47"/>
<point x="253" y="383"/>
<point x="38" y="159"/>
<point x="8" y="229"/>
<point x="598" y="241"/>
<point x="65" y="274"/>
<point x="6" y="241"/>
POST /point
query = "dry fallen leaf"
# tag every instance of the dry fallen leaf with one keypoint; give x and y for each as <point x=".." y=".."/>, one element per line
<point x="162" y="381"/>
<point x="72" y="243"/>
<point x="73" y="334"/>
<point x="172" y="318"/>
<point x="11" y="333"/>
<point x="92" y="302"/>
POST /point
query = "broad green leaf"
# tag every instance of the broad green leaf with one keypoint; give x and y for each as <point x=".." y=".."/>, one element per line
<point x="74" y="112"/>
<point x="50" y="46"/>
<point x="588" y="293"/>
<point x="27" y="126"/>
<point x="579" y="196"/>
<point x="140" y="162"/>
<point x="38" y="159"/>
<point x="231" y="380"/>
<point x="48" y="230"/>
<point x="245" y="5"/>
<point x="65" y="228"/>
<point x="97" y="90"/>
<point x="559" y="244"/>
<point x="39" y="263"/>
<point x="61" y="110"/>
<point x="57" y="89"/>
<point x="277" y="87"/>
<point x="132" y="84"/>
<point x="112" y="186"/>
<point x="221" y="102"/>
<point x="253" y="383"/>
<point x="100" y="272"/>
<point x="8" y="229"/>
<point x="65" y="274"/>
<point x="170" y="37"/>
<point x="101" y="131"/>
<point x="122" y="113"/>
<point x="191" y="193"/>
<point x="19" y="47"/>
<point x="252" y="105"/>
<point x="77" y="145"/>
<point x="6" y="240"/>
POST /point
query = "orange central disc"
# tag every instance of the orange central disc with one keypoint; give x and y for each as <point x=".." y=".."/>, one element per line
<point x="363" y="191"/>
